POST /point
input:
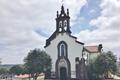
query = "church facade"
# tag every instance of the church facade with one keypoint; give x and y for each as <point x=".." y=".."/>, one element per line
<point x="65" y="50"/>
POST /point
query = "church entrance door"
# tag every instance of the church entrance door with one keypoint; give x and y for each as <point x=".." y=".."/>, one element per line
<point x="63" y="73"/>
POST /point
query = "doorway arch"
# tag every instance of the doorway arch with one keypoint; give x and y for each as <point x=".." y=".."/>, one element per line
<point x="63" y="73"/>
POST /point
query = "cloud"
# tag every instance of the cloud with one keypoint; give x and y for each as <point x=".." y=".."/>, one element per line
<point x="75" y="7"/>
<point x="107" y="27"/>
<point x="25" y="24"/>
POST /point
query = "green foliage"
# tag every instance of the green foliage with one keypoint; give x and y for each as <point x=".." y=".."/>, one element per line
<point x="3" y="71"/>
<point x="16" y="70"/>
<point x="104" y="64"/>
<point x="37" y="62"/>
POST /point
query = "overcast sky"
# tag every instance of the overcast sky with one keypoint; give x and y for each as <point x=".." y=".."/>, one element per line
<point x="26" y="24"/>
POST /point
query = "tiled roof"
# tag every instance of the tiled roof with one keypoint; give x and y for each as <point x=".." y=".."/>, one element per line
<point x="93" y="49"/>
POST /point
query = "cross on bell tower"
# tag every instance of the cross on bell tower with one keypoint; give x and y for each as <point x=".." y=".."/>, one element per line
<point x="63" y="21"/>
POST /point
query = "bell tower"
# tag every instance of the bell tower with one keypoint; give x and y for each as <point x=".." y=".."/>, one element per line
<point x="63" y="21"/>
<point x="63" y="66"/>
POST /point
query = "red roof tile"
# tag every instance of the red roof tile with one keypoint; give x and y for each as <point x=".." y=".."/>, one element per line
<point x="92" y="49"/>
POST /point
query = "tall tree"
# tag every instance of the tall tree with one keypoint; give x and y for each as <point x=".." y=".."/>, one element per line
<point x="104" y="64"/>
<point x="36" y="62"/>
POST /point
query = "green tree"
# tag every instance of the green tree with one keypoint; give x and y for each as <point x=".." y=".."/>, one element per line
<point x="3" y="71"/>
<point x="36" y="62"/>
<point x="16" y="70"/>
<point x="103" y="65"/>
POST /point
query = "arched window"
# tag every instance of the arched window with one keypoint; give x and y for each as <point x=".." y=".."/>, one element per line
<point x="62" y="49"/>
<point x="65" y="25"/>
<point x="60" y="24"/>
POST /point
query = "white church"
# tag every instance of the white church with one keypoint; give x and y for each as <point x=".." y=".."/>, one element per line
<point x="64" y="48"/>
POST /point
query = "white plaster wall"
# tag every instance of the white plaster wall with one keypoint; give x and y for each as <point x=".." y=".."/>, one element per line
<point x="74" y="49"/>
<point x="86" y="57"/>
<point x="93" y="56"/>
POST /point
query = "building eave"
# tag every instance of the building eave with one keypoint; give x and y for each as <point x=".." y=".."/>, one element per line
<point x="50" y="39"/>
<point x="76" y="39"/>
<point x="53" y="36"/>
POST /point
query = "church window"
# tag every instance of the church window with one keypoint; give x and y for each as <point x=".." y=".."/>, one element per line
<point x="60" y="24"/>
<point x="65" y="25"/>
<point x="62" y="48"/>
